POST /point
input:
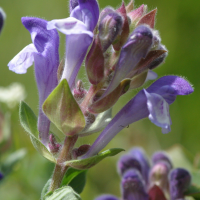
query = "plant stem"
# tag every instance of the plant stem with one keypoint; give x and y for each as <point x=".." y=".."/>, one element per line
<point x="60" y="168"/>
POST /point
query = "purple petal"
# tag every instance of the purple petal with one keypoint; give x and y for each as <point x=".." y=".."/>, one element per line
<point x="23" y="60"/>
<point x="106" y="197"/>
<point x="127" y="162"/>
<point x="87" y="12"/>
<point x="161" y="156"/>
<point x="139" y="154"/>
<point x="170" y="86"/>
<point x="133" y="51"/>
<point x="179" y="180"/>
<point x="46" y="65"/>
<point x="133" y="186"/>
<point x="73" y="4"/>
<point x="141" y="107"/>
<point x="158" y="111"/>
<point x="78" y="39"/>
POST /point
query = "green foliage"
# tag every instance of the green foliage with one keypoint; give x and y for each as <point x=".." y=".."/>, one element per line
<point x="62" y="109"/>
<point x="193" y="191"/>
<point x="89" y="162"/>
<point x="64" y="193"/>
<point x="75" y="178"/>
<point x="45" y="189"/>
<point x="29" y="122"/>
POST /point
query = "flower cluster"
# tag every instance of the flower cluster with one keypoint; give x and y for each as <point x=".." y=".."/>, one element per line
<point x="141" y="181"/>
<point x="120" y="48"/>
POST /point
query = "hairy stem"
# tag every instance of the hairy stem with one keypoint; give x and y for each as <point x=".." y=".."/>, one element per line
<point x="60" y="168"/>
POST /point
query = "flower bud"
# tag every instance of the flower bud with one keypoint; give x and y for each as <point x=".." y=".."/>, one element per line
<point x="139" y="154"/>
<point x="53" y="146"/>
<point x="161" y="156"/>
<point x="179" y="181"/>
<point x="127" y="162"/>
<point x="2" y="18"/>
<point x="79" y="92"/>
<point x="73" y="4"/>
<point x="95" y="63"/>
<point x="155" y="193"/>
<point x="80" y="151"/>
<point x="159" y="175"/>
<point x="122" y="38"/>
<point x="133" y="186"/>
<point x="110" y="27"/>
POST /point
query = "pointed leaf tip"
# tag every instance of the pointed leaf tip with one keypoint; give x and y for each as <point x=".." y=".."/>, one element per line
<point x="148" y="19"/>
<point x="62" y="109"/>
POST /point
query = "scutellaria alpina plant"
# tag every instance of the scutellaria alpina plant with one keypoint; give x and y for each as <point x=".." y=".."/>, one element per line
<point x="119" y="48"/>
<point x="141" y="180"/>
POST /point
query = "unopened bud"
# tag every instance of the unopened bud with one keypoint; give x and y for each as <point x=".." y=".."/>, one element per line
<point x="133" y="186"/>
<point x="139" y="154"/>
<point x="127" y="162"/>
<point x="80" y="151"/>
<point x="179" y="181"/>
<point x="2" y="18"/>
<point x="89" y="118"/>
<point x="53" y="146"/>
<point x="156" y="193"/>
<point x="159" y="175"/>
<point x="79" y="92"/>
<point x="95" y="63"/>
<point x="122" y="38"/>
<point x="73" y="4"/>
<point x="110" y="27"/>
<point x="161" y="156"/>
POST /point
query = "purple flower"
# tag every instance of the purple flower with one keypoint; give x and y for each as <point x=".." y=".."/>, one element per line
<point x="179" y="181"/>
<point x="78" y="30"/>
<point x="2" y="18"/>
<point x="133" y="186"/>
<point x="1" y="176"/>
<point x="44" y="53"/>
<point x="152" y="103"/>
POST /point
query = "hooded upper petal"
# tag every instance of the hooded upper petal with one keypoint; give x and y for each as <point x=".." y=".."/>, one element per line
<point x="88" y="12"/>
<point x="152" y="104"/>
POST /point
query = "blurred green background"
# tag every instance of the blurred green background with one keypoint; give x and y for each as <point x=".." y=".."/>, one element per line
<point x="179" y="25"/>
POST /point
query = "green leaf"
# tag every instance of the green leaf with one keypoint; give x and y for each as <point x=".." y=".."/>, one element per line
<point x="193" y="191"/>
<point x="45" y="189"/>
<point x="75" y="178"/>
<point x="62" y="109"/>
<point x="29" y="122"/>
<point x="12" y="160"/>
<point x="89" y="162"/>
<point x="64" y="193"/>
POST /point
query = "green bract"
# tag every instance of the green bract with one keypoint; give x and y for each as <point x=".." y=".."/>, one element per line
<point x="29" y="122"/>
<point x="62" y="109"/>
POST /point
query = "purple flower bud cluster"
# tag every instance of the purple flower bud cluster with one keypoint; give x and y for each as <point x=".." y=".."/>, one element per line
<point x="142" y="181"/>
